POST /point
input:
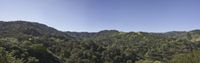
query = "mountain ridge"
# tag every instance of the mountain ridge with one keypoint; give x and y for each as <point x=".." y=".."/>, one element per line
<point x="21" y="21"/>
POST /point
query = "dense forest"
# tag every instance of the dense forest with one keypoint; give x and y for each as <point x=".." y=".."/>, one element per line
<point x="30" y="42"/>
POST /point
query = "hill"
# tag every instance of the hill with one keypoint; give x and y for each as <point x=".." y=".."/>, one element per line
<point x="31" y="39"/>
<point x="31" y="42"/>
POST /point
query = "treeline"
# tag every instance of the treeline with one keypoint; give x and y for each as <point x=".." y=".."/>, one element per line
<point x="27" y="42"/>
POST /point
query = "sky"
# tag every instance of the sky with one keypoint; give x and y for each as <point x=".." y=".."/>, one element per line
<point x="97" y="15"/>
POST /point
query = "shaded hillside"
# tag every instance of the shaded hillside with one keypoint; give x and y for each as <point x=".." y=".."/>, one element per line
<point x="28" y="28"/>
<point x="30" y="39"/>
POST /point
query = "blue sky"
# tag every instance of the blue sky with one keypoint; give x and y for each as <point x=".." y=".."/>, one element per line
<point x="96" y="15"/>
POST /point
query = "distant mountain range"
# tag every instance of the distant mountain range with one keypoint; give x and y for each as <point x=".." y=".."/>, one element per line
<point x="36" y="29"/>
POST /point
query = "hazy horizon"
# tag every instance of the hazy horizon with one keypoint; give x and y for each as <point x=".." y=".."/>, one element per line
<point x="97" y="15"/>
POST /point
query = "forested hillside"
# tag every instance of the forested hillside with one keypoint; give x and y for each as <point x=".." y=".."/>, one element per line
<point x="30" y="42"/>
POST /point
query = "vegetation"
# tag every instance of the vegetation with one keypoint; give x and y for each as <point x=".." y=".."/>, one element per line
<point x="28" y="42"/>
